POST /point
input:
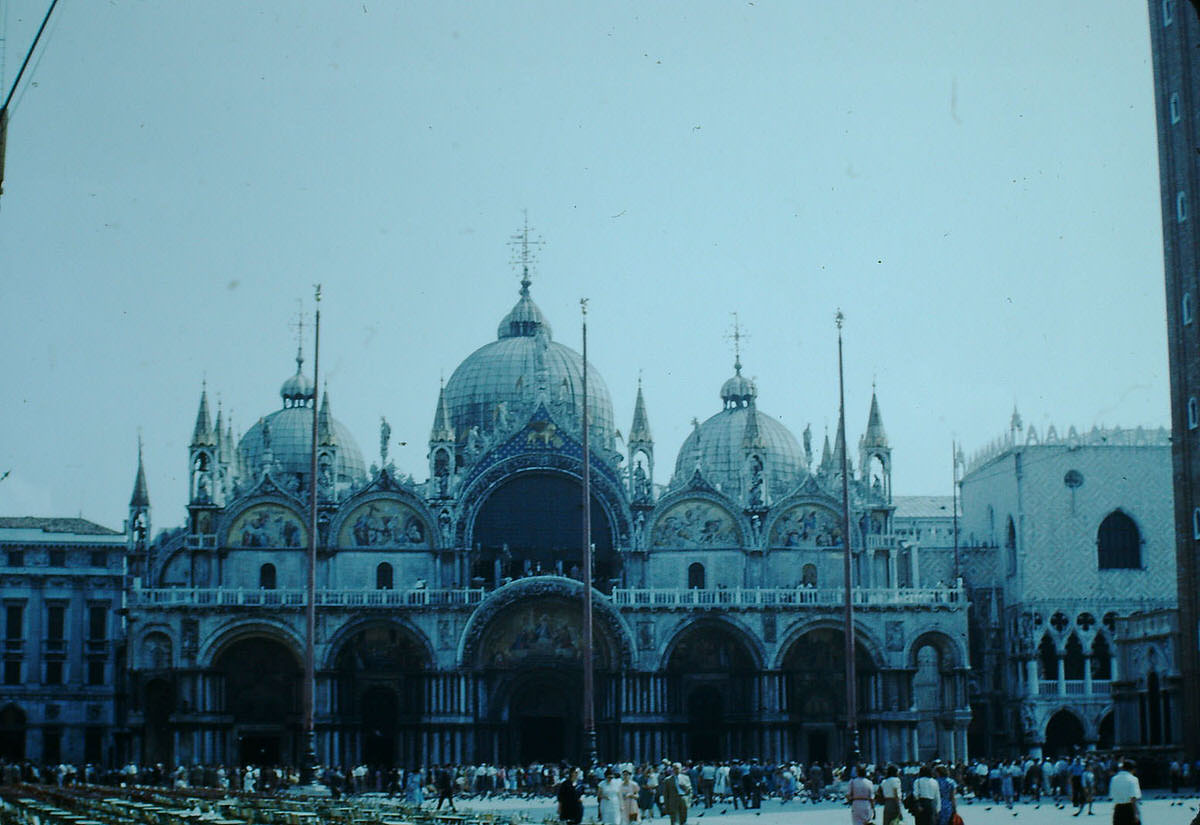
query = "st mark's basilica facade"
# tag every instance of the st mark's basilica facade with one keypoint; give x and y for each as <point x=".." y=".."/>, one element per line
<point x="449" y="610"/>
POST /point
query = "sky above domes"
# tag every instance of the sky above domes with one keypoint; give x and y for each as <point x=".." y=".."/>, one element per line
<point x="976" y="187"/>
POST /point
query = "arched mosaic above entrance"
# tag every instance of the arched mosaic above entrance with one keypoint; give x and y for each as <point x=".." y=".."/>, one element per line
<point x="385" y="524"/>
<point x="695" y="523"/>
<point x="807" y="525"/>
<point x="268" y="525"/>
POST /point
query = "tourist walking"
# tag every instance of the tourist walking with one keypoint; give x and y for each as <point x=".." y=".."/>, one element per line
<point x="629" y="797"/>
<point x="889" y="791"/>
<point x="608" y="797"/>
<point x="861" y="796"/>
<point x="570" y="804"/>
<point x="676" y="795"/>
<point x="1125" y="791"/>
<point x="927" y="796"/>
<point x="946" y="788"/>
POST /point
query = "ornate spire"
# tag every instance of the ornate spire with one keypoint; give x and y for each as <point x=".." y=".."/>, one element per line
<point x="202" y="435"/>
<point x="141" y="496"/>
<point x="751" y="437"/>
<point x="875" y="435"/>
<point x="325" y="434"/>
<point x="525" y="319"/>
<point x="639" y="432"/>
<point x="826" y="464"/>
<point x="442" y="430"/>
<point x="739" y="390"/>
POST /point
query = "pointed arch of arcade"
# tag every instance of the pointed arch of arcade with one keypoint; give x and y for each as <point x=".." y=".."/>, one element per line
<point x="384" y="489"/>
<point x="1065" y="731"/>
<point x="741" y="524"/>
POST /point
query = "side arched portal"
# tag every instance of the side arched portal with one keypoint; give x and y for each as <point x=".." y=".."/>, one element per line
<point x="712" y="689"/>
<point x="261" y="683"/>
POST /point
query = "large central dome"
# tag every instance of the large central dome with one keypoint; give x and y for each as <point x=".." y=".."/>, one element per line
<point x="503" y="379"/>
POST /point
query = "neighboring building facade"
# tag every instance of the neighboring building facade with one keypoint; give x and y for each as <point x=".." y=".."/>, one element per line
<point x="1068" y="540"/>
<point x="1175" y="37"/>
<point x="448" y="610"/>
<point x="61" y="582"/>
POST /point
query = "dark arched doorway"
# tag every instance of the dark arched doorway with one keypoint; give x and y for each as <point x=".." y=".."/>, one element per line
<point x="12" y="734"/>
<point x="1064" y="734"/>
<point x="159" y="704"/>
<point x="262" y="695"/>
<point x="711" y="678"/>
<point x="533" y="523"/>
<point x="814" y="671"/>
<point x="1107" y="736"/>
<point x="381" y="675"/>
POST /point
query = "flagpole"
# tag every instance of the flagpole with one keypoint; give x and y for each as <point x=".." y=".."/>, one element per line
<point x="589" y="690"/>
<point x="309" y="765"/>
<point x="852" y="753"/>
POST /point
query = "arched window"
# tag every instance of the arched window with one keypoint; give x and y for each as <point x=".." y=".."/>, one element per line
<point x="1187" y="308"/>
<point x="808" y="575"/>
<point x="1196" y="523"/>
<point x="266" y="577"/>
<point x="1073" y="659"/>
<point x="1010" y="544"/>
<point x="1168" y="12"/>
<point x="1193" y="413"/>
<point x="1174" y="107"/>
<point x="1181" y="212"/>
<point x="1101" y="658"/>
<point x="383" y="576"/>
<point x="1119" y="543"/>
<point x="1048" y="659"/>
<point x="695" y="576"/>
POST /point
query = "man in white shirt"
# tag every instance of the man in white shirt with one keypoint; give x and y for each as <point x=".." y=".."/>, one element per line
<point x="1125" y="792"/>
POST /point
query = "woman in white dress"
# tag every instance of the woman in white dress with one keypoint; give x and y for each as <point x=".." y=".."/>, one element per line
<point x="608" y="794"/>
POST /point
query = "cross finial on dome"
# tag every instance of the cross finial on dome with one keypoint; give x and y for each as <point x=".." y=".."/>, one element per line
<point x="523" y="256"/>
<point x="736" y="335"/>
<point x="298" y="324"/>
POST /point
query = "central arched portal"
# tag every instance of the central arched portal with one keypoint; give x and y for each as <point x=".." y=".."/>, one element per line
<point x="529" y="659"/>
<point x="533" y="523"/>
<point x="711" y="691"/>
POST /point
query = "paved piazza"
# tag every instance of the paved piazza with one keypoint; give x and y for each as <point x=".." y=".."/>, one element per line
<point x="1157" y="809"/>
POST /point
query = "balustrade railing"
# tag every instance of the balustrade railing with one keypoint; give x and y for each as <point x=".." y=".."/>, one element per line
<point x="750" y="597"/>
<point x="759" y="597"/>
<point x="1074" y="687"/>
<point x="249" y="597"/>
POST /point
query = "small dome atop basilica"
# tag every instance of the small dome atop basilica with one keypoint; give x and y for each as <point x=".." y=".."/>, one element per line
<point x="721" y="445"/>
<point x="502" y="379"/>
<point x="285" y="438"/>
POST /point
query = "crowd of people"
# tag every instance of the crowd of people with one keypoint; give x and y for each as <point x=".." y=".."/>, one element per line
<point x="624" y="793"/>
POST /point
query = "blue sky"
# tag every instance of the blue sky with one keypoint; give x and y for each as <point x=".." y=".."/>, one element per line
<point x="974" y="185"/>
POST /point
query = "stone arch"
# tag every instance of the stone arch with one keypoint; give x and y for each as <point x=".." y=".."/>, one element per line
<point x="402" y="521"/>
<point x="696" y="520"/>
<point x="738" y="632"/>
<point x="155" y="651"/>
<point x="1065" y="730"/>
<point x="346" y="633"/>
<point x="234" y="630"/>
<point x="864" y="640"/>
<point x="530" y="589"/>
<point x="812" y="663"/>
<point x="951" y="651"/>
